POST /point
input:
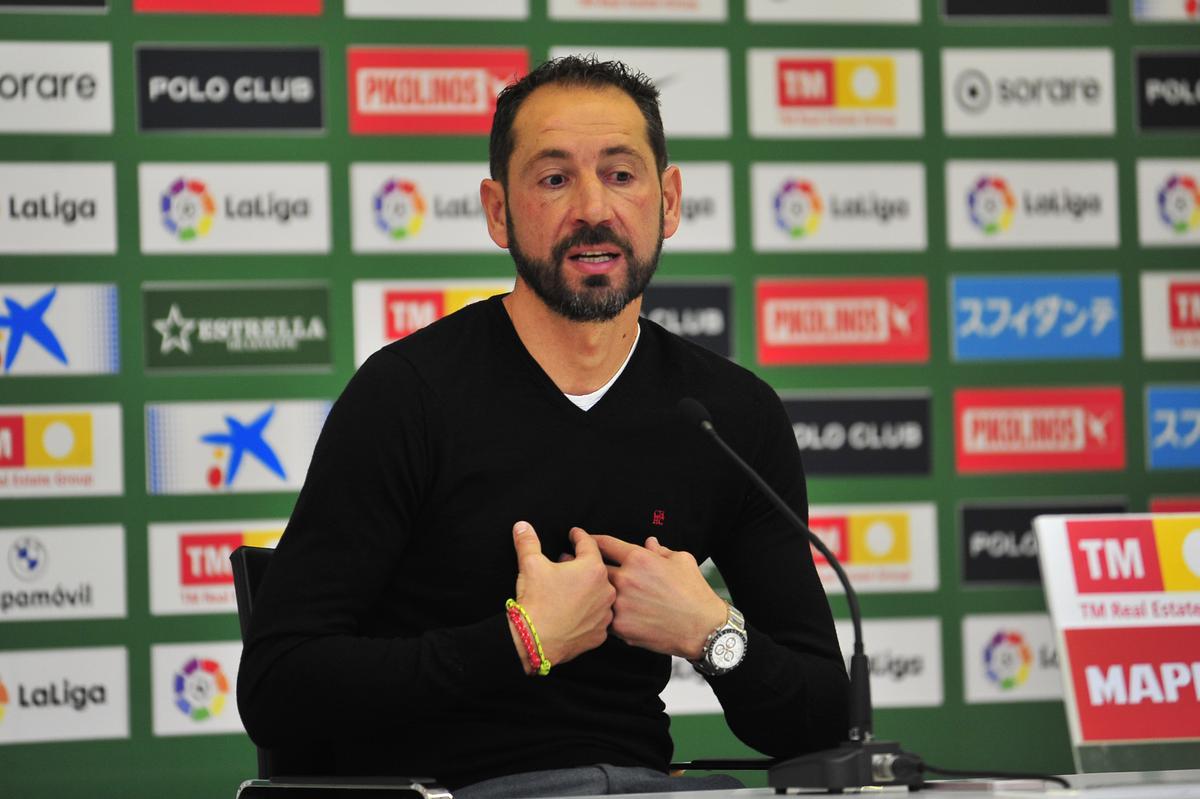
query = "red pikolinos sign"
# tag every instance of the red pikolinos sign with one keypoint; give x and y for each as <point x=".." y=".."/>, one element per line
<point x="858" y="320"/>
<point x="1039" y="429"/>
<point x="403" y="90"/>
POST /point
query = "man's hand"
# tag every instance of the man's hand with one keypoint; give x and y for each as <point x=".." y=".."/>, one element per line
<point x="663" y="604"/>
<point x="570" y="603"/>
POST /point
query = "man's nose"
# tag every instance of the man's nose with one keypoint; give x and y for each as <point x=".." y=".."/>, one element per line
<point x="592" y="201"/>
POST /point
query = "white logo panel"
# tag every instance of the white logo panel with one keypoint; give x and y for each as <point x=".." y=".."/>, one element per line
<point x="195" y="688"/>
<point x="883" y="547"/>
<point x="443" y="9"/>
<point x="1020" y="204"/>
<point x="415" y="207"/>
<point x="190" y="570"/>
<point x="693" y="81"/>
<point x="1028" y="91"/>
<point x="59" y="330"/>
<point x="387" y="310"/>
<point x="60" y="451"/>
<point x="825" y="11"/>
<point x="230" y="447"/>
<point x="57" y="208"/>
<point x="824" y="207"/>
<point x="1168" y="202"/>
<point x="64" y="694"/>
<point x="1170" y="315"/>
<point x="62" y="573"/>
<point x="643" y="10"/>
<point x="905" y="656"/>
<point x="1010" y="658"/>
<point x="234" y="208"/>
<point x="706" y="220"/>
<point x="834" y="93"/>
<point x="55" y="87"/>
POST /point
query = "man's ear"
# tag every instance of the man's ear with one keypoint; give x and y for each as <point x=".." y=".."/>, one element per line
<point x="492" y="196"/>
<point x="672" y="189"/>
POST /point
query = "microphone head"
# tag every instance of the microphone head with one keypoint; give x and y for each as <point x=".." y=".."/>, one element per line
<point x="695" y="413"/>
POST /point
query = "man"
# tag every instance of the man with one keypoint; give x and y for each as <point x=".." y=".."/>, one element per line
<point x="530" y="447"/>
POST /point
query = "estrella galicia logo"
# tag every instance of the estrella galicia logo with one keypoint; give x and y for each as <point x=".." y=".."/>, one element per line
<point x="27" y="321"/>
<point x="991" y="204"/>
<point x="399" y="209"/>
<point x="1036" y="317"/>
<point x="188" y="209"/>
<point x="1168" y="91"/>
<point x="201" y="689"/>
<point x="240" y="439"/>
<point x="27" y="558"/>
<point x="798" y="208"/>
<point x="1173" y="422"/>
<point x="1008" y="659"/>
<point x="229" y="88"/>
<point x="1179" y="203"/>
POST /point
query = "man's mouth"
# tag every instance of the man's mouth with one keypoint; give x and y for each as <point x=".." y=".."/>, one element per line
<point x="595" y="256"/>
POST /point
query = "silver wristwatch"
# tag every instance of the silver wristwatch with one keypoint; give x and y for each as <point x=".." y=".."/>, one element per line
<point x="726" y="646"/>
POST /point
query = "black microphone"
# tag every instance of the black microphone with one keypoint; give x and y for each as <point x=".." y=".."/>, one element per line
<point x="859" y="761"/>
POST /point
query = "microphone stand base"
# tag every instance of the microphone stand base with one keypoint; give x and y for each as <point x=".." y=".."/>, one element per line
<point x="853" y="764"/>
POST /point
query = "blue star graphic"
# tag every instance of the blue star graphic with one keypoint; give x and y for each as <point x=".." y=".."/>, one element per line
<point x="24" y="322"/>
<point x="247" y="438"/>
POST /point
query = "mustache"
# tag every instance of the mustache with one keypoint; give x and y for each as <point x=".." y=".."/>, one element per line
<point x="591" y="237"/>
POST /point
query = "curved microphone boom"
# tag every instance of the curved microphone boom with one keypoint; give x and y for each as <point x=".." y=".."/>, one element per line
<point x="860" y="760"/>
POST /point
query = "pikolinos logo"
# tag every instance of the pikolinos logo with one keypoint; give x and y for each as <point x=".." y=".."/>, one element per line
<point x="225" y="88"/>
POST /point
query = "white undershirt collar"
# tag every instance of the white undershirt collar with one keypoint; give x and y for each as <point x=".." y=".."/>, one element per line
<point x="586" y="401"/>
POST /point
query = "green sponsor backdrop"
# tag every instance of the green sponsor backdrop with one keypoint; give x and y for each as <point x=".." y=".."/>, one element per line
<point x="1030" y="735"/>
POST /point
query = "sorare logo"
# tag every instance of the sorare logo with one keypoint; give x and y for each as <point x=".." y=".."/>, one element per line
<point x="1008" y="659"/>
<point x="201" y="689"/>
<point x="1179" y="203"/>
<point x="188" y="209"/>
<point x="399" y="209"/>
<point x="798" y="208"/>
<point x="991" y="204"/>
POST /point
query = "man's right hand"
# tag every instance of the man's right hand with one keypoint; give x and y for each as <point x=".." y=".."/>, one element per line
<point x="570" y="603"/>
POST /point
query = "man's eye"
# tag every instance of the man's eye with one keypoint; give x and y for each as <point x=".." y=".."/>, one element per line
<point x="622" y="177"/>
<point x="555" y="180"/>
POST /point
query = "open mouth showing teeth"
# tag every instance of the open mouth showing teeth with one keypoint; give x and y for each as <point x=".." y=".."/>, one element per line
<point x="594" y="257"/>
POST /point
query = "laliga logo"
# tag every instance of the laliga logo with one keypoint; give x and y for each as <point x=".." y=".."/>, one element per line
<point x="188" y="209"/>
<point x="991" y="205"/>
<point x="798" y="208"/>
<point x="1007" y="659"/>
<point x="201" y="689"/>
<point x="399" y="209"/>
<point x="1179" y="203"/>
<point x="27" y="558"/>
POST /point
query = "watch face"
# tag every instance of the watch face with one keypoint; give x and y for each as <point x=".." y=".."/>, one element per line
<point x="727" y="650"/>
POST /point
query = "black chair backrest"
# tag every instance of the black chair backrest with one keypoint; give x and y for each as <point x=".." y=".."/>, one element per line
<point x="249" y="567"/>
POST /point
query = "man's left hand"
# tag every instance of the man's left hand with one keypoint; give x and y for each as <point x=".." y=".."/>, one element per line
<point x="663" y="603"/>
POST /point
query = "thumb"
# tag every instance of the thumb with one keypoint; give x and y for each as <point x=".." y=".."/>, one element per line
<point x="526" y="543"/>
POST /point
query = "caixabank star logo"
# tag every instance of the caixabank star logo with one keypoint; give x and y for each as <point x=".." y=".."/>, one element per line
<point x="53" y="330"/>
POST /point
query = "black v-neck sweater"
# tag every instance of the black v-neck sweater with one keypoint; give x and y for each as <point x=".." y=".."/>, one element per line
<point x="379" y="630"/>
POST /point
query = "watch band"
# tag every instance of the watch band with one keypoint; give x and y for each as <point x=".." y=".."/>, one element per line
<point x="732" y="650"/>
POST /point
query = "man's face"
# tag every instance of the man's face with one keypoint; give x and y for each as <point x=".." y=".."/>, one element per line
<point x="585" y="210"/>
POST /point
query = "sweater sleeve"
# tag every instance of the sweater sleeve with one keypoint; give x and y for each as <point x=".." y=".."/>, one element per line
<point x="309" y="671"/>
<point x="790" y="693"/>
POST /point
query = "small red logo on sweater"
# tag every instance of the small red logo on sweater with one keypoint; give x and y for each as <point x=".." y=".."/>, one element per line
<point x="658" y="518"/>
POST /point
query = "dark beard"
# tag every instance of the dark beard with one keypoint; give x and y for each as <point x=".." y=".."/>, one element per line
<point x="599" y="300"/>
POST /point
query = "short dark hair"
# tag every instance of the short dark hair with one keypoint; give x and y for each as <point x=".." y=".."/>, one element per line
<point x="587" y="72"/>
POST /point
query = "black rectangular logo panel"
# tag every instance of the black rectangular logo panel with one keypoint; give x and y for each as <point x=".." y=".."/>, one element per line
<point x="702" y="313"/>
<point x="36" y="6"/>
<point x="1026" y="8"/>
<point x="1168" y="86"/>
<point x="229" y="88"/>
<point x="997" y="540"/>
<point x="862" y="434"/>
